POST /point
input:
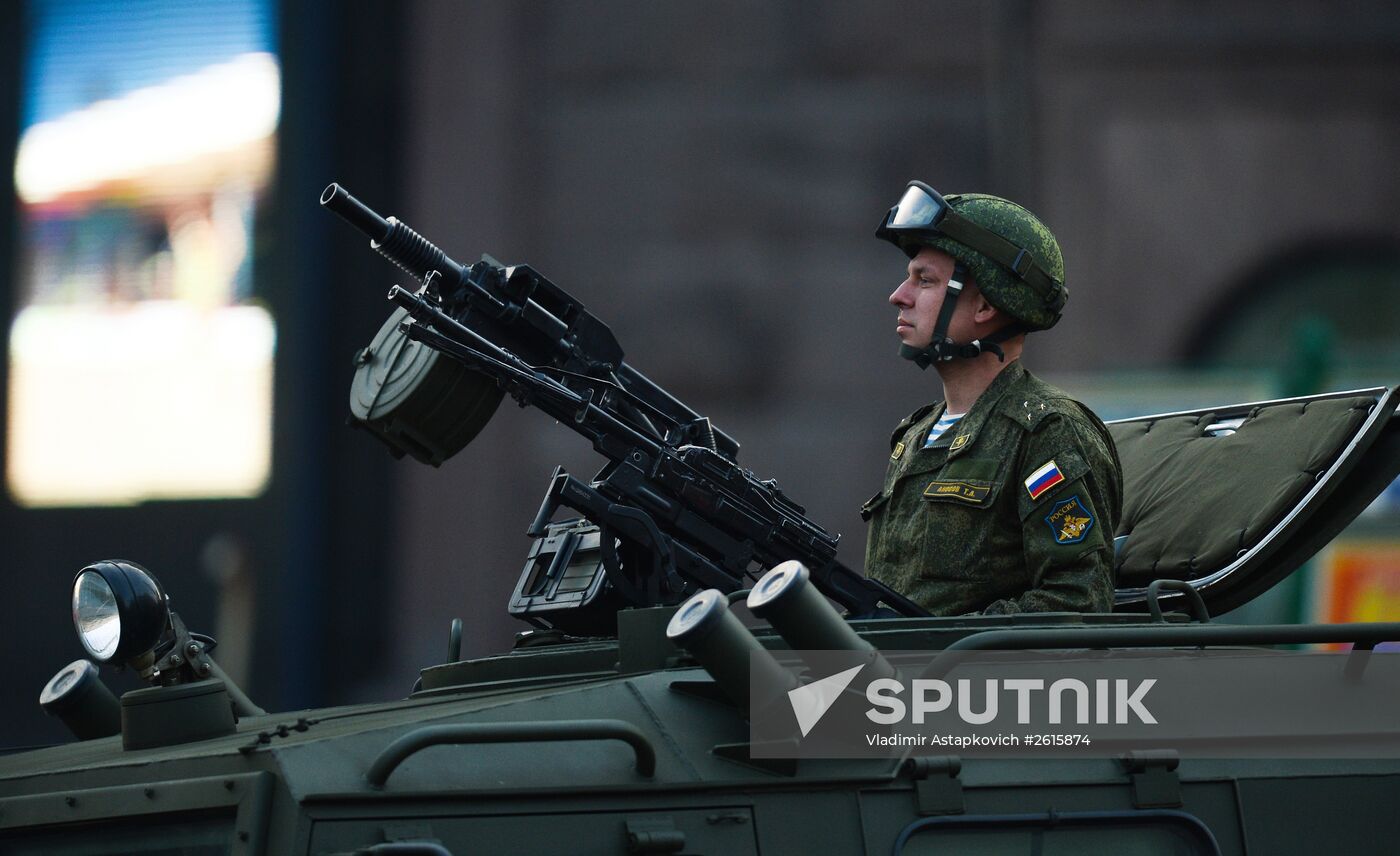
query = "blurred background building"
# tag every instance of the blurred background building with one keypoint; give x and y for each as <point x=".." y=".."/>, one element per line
<point x="181" y="316"/>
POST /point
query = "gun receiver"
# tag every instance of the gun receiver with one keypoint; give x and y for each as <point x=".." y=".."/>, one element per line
<point x="674" y="510"/>
<point x="542" y="323"/>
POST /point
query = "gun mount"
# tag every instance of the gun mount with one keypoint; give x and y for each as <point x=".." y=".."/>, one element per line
<point x="673" y="511"/>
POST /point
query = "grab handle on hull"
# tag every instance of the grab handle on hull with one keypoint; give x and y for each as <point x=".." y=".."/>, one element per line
<point x="512" y="732"/>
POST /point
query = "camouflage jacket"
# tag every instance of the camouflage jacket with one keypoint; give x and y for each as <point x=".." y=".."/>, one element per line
<point x="1013" y="509"/>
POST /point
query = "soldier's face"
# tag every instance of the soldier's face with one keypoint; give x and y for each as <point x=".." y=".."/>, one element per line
<point x="920" y="296"/>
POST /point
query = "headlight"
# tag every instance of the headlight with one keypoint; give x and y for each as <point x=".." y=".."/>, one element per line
<point x="119" y="610"/>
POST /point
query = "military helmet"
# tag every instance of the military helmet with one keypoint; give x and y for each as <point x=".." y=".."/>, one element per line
<point x="1013" y="257"/>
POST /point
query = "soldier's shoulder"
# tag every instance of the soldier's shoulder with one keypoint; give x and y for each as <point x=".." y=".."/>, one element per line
<point x="1037" y="406"/>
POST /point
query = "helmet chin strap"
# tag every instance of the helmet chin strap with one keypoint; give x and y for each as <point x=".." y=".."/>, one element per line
<point x="942" y="349"/>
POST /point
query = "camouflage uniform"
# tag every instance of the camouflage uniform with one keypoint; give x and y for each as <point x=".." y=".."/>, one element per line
<point x="963" y="526"/>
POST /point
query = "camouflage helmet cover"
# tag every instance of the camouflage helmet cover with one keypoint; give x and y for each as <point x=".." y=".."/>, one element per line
<point x="1002" y="288"/>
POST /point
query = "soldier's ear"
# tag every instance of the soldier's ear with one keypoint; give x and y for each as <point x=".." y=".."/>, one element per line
<point x="982" y="309"/>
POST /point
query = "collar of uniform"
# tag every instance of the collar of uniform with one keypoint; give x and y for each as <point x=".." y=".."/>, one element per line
<point x="985" y="405"/>
<point x="916" y="458"/>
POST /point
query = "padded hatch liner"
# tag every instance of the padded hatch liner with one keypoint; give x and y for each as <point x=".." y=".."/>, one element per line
<point x="1210" y="497"/>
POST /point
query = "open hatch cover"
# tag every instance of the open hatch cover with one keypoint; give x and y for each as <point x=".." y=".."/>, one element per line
<point x="1234" y="499"/>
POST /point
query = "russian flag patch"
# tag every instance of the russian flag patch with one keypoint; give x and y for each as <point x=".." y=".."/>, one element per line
<point x="1043" y="479"/>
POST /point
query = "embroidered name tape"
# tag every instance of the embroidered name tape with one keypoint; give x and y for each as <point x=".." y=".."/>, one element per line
<point x="1043" y="479"/>
<point x="965" y="491"/>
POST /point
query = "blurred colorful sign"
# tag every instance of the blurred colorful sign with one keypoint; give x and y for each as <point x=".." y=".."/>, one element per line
<point x="1358" y="581"/>
<point x="140" y="357"/>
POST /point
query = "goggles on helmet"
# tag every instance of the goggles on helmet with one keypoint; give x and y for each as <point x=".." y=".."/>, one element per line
<point x="923" y="213"/>
<point x="921" y="207"/>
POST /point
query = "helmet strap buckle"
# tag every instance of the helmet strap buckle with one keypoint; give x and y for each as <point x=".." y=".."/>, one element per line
<point x="1022" y="264"/>
<point x="977" y="347"/>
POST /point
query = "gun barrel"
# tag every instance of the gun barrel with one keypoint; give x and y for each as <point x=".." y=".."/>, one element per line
<point x="338" y="200"/>
<point x="391" y="237"/>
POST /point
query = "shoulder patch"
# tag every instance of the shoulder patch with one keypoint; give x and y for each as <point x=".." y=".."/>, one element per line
<point x="1069" y="521"/>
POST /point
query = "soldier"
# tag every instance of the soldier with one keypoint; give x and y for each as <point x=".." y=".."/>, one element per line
<point x="1004" y="496"/>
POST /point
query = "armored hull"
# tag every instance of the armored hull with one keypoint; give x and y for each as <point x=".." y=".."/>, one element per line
<point x="573" y="752"/>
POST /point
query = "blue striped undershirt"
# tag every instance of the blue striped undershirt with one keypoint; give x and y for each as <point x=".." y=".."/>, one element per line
<point x="946" y="421"/>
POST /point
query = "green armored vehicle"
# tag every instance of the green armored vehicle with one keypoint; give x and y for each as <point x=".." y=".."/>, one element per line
<point x="624" y="720"/>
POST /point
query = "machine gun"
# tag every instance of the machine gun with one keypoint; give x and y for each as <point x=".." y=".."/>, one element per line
<point x="670" y="513"/>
